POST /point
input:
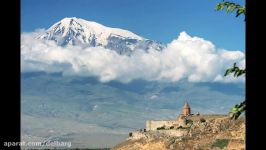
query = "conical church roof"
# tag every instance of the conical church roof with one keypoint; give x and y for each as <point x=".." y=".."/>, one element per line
<point x="186" y="105"/>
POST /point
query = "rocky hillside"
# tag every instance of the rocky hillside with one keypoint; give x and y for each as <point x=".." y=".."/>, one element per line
<point x="205" y="133"/>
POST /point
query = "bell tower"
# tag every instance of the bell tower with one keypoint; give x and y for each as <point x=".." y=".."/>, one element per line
<point x="186" y="109"/>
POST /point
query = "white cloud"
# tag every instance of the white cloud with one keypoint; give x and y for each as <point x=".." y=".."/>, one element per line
<point x="153" y="97"/>
<point x="186" y="57"/>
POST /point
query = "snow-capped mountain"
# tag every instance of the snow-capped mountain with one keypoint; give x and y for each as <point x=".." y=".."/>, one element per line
<point x="76" y="31"/>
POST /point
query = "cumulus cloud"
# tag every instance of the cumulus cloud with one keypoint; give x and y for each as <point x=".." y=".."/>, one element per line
<point x="186" y="57"/>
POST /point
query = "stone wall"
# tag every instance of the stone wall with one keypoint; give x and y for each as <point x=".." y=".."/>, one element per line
<point x="174" y="133"/>
<point x="154" y="124"/>
<point x="158" y="133"/>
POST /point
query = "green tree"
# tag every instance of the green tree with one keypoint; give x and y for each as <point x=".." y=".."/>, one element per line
<point x="231" y="7"/>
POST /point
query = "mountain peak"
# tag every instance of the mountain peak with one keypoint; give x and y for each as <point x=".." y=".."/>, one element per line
<point x="77" y="31"/>
<point x="69" y="18"/>
<point x="72" y="21"/>
<point x="69" y="21"/>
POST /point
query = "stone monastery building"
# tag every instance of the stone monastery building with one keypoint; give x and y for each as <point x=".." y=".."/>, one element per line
<point x="152" y="125"/>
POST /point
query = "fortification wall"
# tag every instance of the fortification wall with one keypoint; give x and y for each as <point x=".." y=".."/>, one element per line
<point x="174" y="133"/>
<point x="156" y="134"/>
<point x="154" y="124"/>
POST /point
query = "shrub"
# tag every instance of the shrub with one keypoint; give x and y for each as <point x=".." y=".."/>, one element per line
<point x="221" y="143"/>
<point x="161" y="128"/>
<point x="130" y="134"/>
<point x="183" y="128"/>
<point x="202" y="120"/>
<point x="185" y="139"/>
<point x="189" y="121"/>
<point x="180" y="127"/>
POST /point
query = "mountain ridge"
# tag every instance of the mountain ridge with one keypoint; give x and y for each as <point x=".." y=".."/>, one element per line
<point x="76" y="31"/>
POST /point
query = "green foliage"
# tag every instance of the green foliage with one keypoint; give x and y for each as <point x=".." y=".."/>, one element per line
<point x="182" y="128"/>
<point x="161" y="128"/>
<point x="202" y="120"/>
<point x="231" y="7"/>
<point x="221" y="143"/>
<point x="237" y="72"/>
<point x="238" y="109"/>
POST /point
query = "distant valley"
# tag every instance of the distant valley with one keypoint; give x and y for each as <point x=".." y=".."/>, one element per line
<point x="80" y="109"/>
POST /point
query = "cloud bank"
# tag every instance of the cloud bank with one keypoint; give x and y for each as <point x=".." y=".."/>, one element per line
<point x="190" y="58"/>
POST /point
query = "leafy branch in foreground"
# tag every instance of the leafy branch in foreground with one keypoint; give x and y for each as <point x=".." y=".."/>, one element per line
<point x="231" y="7"/>
<point x="237" y="72"/>
<point x="237" y="110"/>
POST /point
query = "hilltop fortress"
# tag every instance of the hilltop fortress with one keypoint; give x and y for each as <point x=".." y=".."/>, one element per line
<point x="166" y="128"/>
<point x="179" y="122"/>
<point x="188" y="131"/>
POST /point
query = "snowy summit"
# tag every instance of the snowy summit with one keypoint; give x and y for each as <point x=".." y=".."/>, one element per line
<point x="76" y="31"/>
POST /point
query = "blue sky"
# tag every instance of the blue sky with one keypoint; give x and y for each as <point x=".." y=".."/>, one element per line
<point x="160" y="20"/>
